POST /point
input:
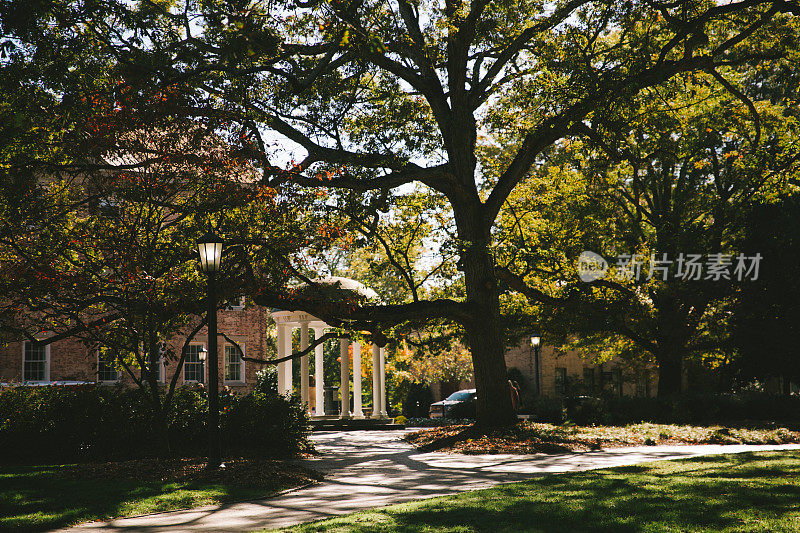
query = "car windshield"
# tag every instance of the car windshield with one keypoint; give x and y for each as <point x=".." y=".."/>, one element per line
<point x="460" y="396"/>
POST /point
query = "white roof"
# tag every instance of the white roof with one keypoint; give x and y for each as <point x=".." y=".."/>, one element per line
<point x="348" y="285"/>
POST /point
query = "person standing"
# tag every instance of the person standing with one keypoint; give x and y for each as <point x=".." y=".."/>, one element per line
<point x="513" y="389"/>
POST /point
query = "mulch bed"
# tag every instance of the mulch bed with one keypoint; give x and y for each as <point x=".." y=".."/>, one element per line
<point x="528" y="437"/>
<point x="238" y="471"/>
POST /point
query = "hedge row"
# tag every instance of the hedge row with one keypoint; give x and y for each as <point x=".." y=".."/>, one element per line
<point x="62" y="424"/>
<point x="696" y="409"/>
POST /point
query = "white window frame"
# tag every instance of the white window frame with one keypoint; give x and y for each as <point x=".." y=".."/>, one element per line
<point x="205" y="366"/>
<point x="106" y="381"/>
<point x="46" y="365"/>
<point x="242" y="362"/>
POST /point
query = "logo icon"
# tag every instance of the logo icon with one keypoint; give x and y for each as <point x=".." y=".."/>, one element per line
<point x="591" y="266"/>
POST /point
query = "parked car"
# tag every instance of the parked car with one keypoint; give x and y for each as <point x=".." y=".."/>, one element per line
<point x="461" y="398"/>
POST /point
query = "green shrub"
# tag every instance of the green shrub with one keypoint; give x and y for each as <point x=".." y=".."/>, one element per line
<point x="63" y="424"/>
<point x="188" y="421"/>
<point x="543" y="409"/>
<point x="266" y="424"/>
<point x="417" y="401"/>
<point x="436" y="422"/>
<point x="695" y="409"/>
<point x="267" y="379"/>
<point x="587" y="410"/>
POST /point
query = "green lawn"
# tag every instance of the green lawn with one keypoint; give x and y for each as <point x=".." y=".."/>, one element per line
<point x="38" y="498"/>
<point x="736" y="492"/>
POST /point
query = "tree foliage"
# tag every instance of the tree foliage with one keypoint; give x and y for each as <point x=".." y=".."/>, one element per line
<point x="379" y="94"/>
<point x="672" y="174"/>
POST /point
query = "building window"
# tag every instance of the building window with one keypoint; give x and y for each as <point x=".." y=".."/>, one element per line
<point x="234" y="364"/>
<point x="106" y="368"/>
<point x="193" y="367"/>
<point x="561" y="381"/>
<point x="588" y="379"/>
<point x="642" y="388"/>
<point x="612" y="382"/>
<point x="36" y="362"/>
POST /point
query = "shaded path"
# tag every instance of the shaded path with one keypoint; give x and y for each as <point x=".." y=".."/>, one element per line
<point x="366" y="469"/>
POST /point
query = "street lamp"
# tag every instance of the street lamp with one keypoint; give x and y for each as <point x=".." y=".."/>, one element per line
<point x="536" y="342"/>
<point x="210" y="248"/>
<point x="201" y="356"/>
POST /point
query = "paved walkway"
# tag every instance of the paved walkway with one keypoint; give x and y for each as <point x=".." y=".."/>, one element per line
<point x="366" y="469"/>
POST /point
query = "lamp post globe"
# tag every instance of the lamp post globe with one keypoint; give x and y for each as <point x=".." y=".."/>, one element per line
<point x="209" y="246"/>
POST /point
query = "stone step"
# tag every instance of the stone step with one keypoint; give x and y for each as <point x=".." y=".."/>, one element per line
<point x="337" y="424"/>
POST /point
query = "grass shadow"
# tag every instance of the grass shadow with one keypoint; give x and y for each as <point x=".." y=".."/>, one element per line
<point x="734" y="493"/>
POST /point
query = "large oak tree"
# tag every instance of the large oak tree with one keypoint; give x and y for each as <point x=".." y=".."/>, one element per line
<point x="377" y="94"/>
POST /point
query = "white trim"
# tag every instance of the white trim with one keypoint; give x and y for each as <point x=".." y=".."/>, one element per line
<point x="205" y="366"/>
<point x="242" y="362"/>
<point x="46" y="365"/>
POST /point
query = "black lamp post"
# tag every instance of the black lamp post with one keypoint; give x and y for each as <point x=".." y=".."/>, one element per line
<point x="210" y="248"/>
<point x="536" y="341"/>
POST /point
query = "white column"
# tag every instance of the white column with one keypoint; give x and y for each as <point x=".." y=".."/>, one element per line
<point x="382" y="358"/>
<point x="344" y="388"/>
<point x="357" y="412"/>
<point x="304" y="392"/>
<point x="319" y="375"/>
<point x="376" y="382"/>
<point x="281" y="355"/>
<point x="287" y="350"/>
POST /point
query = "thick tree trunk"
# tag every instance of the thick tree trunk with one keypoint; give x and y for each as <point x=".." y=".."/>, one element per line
<point x="670" y="376"/>
<point x="484" y="334"/>
<point x="672" y="336"/>
<point x="484" y="328"/>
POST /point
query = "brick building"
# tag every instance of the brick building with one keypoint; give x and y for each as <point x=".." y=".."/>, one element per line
<point x="69" y="360"/>
<point x="567" y="373"/>
<point x="564" y="373"/>
<point x="561" y="372"/>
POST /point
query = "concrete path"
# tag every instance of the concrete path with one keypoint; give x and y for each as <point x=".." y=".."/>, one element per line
<point x="366" y="469"/>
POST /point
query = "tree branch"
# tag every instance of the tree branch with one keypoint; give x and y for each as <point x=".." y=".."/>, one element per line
<point x="294" y="355"/>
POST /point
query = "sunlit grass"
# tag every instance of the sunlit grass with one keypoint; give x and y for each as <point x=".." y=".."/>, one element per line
<point x="38" y="498"/>
<point x="735" y="492"/>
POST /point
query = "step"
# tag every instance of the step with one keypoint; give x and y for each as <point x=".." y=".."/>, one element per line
<point x="338" y="424"/>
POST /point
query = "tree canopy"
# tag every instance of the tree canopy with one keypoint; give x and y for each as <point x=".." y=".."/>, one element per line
<point x="375" y="95"/>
